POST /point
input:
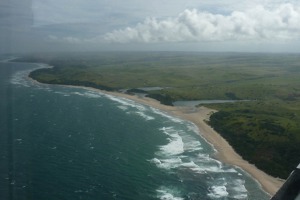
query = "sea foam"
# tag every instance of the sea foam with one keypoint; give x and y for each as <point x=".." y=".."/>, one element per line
<point x="165" y="193"/>
<point x="19" y="78"/>
<point x="184" y="155"/>
<point x="140" y="110"/>
<point x="163" y="114"/>
<point x="218" y="191"/>
<point x="90" y="94"/>
<point x="167" y="163"/>
<point x="143" y="115"/>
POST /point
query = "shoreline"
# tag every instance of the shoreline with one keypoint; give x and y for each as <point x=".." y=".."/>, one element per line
<point x="224" y="151"/>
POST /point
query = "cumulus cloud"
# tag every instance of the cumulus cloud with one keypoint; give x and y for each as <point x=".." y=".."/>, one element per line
<point x="258" y="24"/>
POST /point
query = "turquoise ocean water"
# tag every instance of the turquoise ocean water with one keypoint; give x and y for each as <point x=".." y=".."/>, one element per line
<point x="58" y="142"/>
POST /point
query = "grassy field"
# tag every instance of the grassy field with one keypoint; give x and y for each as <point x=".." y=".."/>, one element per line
<point x="264" y="130"/>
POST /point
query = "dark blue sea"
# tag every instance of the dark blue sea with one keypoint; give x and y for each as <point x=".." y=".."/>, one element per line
<point x="63" y="143"/>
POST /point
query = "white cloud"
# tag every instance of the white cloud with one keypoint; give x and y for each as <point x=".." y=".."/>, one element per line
<point x="113" y="24"/>
<point x="259" y="23"/>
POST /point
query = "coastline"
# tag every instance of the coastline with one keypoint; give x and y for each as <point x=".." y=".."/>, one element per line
<point x="225" y="152"/>
<point x="198" y="116"/>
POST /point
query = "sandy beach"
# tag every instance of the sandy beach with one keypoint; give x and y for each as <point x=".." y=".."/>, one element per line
<point x="225" y="152"/>
<point x="198" y="116"/>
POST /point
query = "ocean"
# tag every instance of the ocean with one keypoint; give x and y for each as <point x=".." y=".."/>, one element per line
<point x="59" y="142"/>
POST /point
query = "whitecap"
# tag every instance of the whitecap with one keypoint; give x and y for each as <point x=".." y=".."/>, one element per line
<point x="167" y="194"/>
<point x="123" y="107"/>
<point x="212" y="167"/>
<point x="171" y="131"/>
<point x="238" y="186"/>
<point x="241" y="196"/>
<point x="192" y="127"/>
<point x="169" y="163"/>
<point x="155" y="161"/>
<point x="78" y="93"/>
<point x="166" y="130"/>
<point x="192" y="146"/>
<point x="218" y="191"/>
<point x="192" y="166"/>
<point x="185" y="153"/>
<point x="161" y="113"/>
<point x="127" y="102"/>
<point x="62" y="93"/>
<point x="146" y="117"/>
<point x="174" y="147"/>
<point x="238" y="189"/>
<point x="19" y="141"/>
<point x="92" y="95"/>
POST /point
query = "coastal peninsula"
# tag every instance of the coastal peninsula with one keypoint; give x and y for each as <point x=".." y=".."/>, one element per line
<point x="268" y="82"/>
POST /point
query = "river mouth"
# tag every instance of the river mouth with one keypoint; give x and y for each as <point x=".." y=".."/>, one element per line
<point x="203" y="102"/>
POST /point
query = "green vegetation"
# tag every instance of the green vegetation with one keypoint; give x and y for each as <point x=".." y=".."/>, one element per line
<point x="264" y="130"/>
<point x="266" y="133"/>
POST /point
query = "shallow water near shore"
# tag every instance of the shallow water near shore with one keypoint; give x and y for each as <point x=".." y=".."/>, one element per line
<point x="72" y="143"/>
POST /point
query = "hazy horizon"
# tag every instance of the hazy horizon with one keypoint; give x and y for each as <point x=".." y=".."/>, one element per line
<point x="220" y="26"/>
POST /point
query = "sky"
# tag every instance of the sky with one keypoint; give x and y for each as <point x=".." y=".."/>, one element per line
<point x="156" y="25"/>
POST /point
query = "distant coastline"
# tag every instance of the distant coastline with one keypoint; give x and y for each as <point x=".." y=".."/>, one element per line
<point x="199" y="116"/>
<point x="263" y="129"/>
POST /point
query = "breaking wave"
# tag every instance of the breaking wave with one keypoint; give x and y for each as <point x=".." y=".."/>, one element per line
<point x="185" y="155"/>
